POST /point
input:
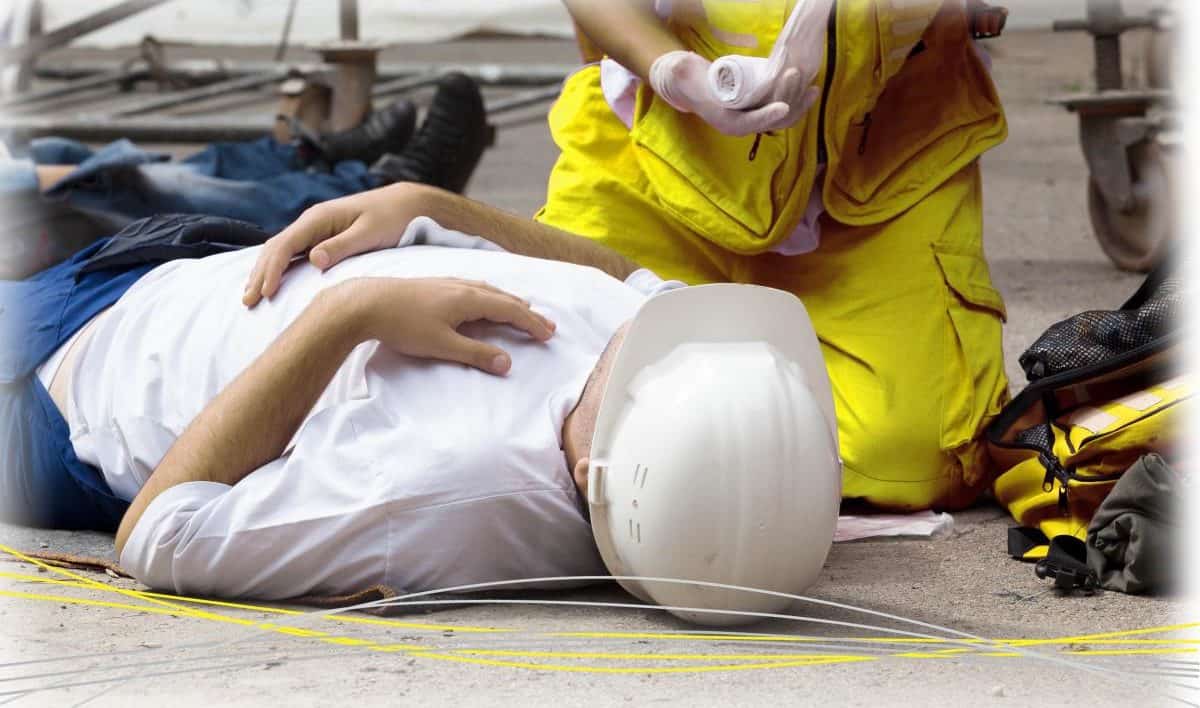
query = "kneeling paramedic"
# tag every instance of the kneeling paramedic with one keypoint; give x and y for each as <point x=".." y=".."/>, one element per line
<point x="848" y="174"/>
<point x="422" y="418"/>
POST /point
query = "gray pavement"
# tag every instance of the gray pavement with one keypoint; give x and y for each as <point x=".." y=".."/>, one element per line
<point x="134" y="652"/>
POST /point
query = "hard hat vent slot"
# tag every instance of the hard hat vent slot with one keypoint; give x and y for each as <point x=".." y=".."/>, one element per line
<point x="635" y="530"/>
<point x="643" y="471"/>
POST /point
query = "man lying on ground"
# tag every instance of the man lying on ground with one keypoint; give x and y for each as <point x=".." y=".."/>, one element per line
<point x="309" y="445"/>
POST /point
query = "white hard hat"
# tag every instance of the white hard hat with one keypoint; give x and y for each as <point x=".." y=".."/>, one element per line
<point x="715" y="454"/>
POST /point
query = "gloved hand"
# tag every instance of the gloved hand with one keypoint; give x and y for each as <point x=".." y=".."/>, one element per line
<point x="745" y="83"/>
<point x="681" y="79"/>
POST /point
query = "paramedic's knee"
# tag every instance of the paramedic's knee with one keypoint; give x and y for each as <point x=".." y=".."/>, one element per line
<point x="897" y="463"/>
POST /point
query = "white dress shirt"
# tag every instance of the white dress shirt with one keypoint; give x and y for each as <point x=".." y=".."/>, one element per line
<point x="414" y="474"/>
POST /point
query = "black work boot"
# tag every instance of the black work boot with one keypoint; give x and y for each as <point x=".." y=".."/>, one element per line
<point x="384" y="131"/>
<point x="449" y="144"/>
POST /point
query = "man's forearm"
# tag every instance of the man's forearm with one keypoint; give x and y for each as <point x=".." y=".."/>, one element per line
<point x="513" y="233"/>
<point x="627" y="30"/>
<point x="251" y="421"/>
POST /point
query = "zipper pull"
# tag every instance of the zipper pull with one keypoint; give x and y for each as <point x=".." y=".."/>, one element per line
<point x="866" y="126"/>
<point x="754" y="147"/>
<point x="1049" y="465"/>
<point x="1065" y="475"/>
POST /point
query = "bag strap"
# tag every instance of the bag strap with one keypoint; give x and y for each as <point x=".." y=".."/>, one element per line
<point x="1066" y="563"/>
<point x="1023" y="539"/>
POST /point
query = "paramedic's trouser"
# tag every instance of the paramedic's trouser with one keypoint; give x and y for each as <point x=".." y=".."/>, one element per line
<point x="906" y="312"/>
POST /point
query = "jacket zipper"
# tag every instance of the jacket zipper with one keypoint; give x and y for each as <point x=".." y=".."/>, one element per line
<point x="866" y="130"/>
<point x="830" y="66"/>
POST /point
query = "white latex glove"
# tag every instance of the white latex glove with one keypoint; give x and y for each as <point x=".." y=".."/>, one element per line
<point x="745" y="83"/>
<point x="681" y="79"/>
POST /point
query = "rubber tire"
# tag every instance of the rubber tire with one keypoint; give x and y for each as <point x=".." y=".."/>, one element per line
<point x="1138" y="240"/>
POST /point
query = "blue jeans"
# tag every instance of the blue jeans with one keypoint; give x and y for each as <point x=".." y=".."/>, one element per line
<point x="260" y="181"/>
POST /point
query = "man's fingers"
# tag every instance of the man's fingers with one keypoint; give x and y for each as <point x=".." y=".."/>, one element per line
<point x="355" y="239"/>
<point x="268" y="260"/>
<point x="480" y="355"/>
<point x="253" y="292"/>
<point x="273" y="268"/>
<point x="488" y="287"/>
<point x="503" y="309"/>
<point x="314" y="226"/>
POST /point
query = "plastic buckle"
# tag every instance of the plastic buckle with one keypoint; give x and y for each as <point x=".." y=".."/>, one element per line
<point x="1066" y="579"/>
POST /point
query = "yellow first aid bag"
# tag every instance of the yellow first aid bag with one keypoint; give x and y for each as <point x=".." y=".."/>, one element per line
<point x="1104" y="390"/>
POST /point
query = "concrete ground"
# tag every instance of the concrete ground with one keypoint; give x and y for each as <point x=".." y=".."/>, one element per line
<point x="86" y="639"/>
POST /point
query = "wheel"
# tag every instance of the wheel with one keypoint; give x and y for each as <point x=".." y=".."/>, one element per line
<point x="1138" y="239"/>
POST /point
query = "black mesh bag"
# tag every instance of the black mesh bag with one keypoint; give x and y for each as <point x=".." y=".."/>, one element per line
<point x="1144" y="324"/>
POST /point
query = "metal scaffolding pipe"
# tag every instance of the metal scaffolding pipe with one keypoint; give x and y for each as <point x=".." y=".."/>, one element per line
<point x="85" y="84"/>
<point x="65" y="35"/>
<point x="488" y="74"/>
<point x="190" y="129"/>
<point x="408" y="83"/>
<point x="179" y="98"/>
<point x="101" y="128"/>
<point x="348" y="16"/>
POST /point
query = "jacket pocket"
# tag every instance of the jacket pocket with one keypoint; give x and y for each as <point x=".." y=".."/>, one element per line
<point x="972" y="348"/>
<point x="709" y="181"/>
<point x="938" y="112"/>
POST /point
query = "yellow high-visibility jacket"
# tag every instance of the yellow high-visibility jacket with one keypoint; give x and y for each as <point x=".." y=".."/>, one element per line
<point x="906" y="103"/>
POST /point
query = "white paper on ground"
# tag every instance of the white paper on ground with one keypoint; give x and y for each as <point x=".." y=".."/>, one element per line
<point x="925" y="523"/>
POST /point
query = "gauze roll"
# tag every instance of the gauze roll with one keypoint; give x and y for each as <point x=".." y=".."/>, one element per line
<point x="742" y="82"/>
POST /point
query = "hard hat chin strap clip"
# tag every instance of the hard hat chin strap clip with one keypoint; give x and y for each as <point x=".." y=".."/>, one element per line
<point x="597" y="471"/>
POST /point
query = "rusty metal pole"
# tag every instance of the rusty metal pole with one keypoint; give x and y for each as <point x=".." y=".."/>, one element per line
<point x="354" y="71"/>
<point x="354" y="74"/>
<point x="348" y="15"/>
<point x="1106" y="17"/>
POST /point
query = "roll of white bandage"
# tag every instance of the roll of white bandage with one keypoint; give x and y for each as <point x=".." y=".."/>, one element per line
<point x="743" y="83"/>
